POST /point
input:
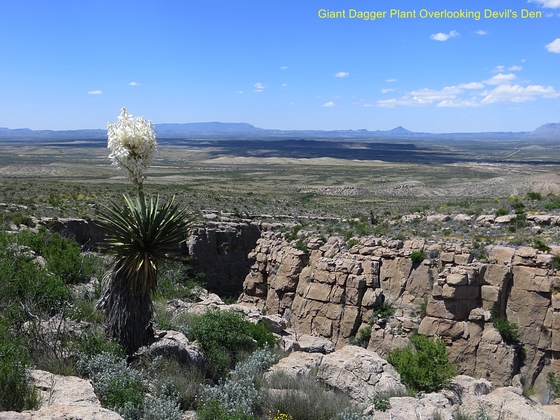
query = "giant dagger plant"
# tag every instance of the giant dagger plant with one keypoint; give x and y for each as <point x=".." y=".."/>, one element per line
<point x="141" y="234"/>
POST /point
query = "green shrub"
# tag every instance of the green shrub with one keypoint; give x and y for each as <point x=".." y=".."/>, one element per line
<point x="213" y="410"/>
<point x="532" y="195"/>
<point x="518" y="206"/>
<point x="160" y="408"/>
<point x="17" y="391"/>
<point x="555" y="263"/>
<point x="363" y="337"/>
<point x="293" y="233"/>
<point x="423" y="365"/>
<point x="114" y="383"/>
<point x="501" y="212"/>
<point x="554" y="383"/>
<point x="301" y="247"/>
<point x="25" y="287"/>
<point x="553" y="204"/>
<point x="381" y="403"/>
<point x="239" y="394"/>
<point x="19" y="219"/>
<point x="519" y="221"/>
<point x="540" y="244"/>
<point x="64" y="256"/>
<point x="224" y="335"/>
<point x="385" y="311"/>
<point x="508" y="330"/>
<point x="417" y="256"/>
<point x="92" y="343"/>
<point x="122" y="390"/>
<point x="175" y="282"/>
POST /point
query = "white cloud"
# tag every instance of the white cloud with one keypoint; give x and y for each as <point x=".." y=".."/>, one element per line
<point x="259" y="87"/>
<point x="472" y="85"/>
<point x="342" y="74"/>
<point x="368" y="105"/>
<point x="500" y="79"/>
<point x="388" y="103"/>
<point x="554" y="46"/>
<point x="499" y="69"/>
<point x="240" y="92"/>
<point x="133" y="84"/>
<point x="551" y="4"/>
<point x="391" y="80"/>
<point x="444" y="37"/>
<point x="457" y="103"/>
<point x="387" y="90"/>
<point x="517" y="93"/>
<point x="481" y="32"/>
<point x="95" y="92"/>
<point x="283" y="67"/>
<point x="284" y="85"/>
<point x="328" y="104"/>
<point x="501" y="88"/>
<point x="422" y="97"/>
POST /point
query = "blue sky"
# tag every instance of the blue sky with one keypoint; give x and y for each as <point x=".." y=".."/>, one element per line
<point x="276" y="64"/>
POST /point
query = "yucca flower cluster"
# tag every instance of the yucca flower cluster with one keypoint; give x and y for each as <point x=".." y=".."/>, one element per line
<point x="133" y="144"/>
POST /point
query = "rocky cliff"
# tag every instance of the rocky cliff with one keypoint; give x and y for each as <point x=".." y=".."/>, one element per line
<point x="334" y="292"/>
<point x="338" y="293"/>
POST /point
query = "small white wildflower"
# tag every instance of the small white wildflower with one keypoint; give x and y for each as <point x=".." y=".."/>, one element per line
<point x="133" y="144"/>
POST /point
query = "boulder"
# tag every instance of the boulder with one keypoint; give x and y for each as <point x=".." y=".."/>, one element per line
<point x="407" y="408"/>
<point x="176" y="344"/>
<point x="308" y="343"/>
<point x="297" y="363"/>
<point x="360" y="373"/>
<point x="507" y="404"/>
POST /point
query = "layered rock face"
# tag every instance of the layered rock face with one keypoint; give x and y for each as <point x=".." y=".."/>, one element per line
<point x="334" y="293"/>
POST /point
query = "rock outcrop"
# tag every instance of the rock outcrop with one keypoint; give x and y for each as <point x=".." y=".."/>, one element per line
<point x="335" y="292"/>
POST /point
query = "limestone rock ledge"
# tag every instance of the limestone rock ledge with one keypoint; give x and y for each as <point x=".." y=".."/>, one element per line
<point x="63" y="398"/>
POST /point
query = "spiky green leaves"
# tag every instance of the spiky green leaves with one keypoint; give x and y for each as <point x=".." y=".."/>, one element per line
<point x="143" y="234"/>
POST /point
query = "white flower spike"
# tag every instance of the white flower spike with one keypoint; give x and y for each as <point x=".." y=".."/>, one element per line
<point x="133" y="145"/>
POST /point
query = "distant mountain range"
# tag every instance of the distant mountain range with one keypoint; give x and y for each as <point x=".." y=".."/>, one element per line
<point x="245" y="130"/>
